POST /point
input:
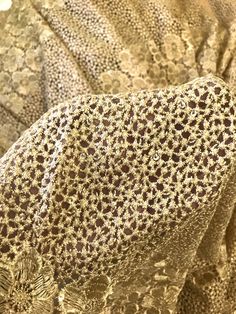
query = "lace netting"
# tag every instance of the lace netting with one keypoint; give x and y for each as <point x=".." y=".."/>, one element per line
<point x="120" y="197"/>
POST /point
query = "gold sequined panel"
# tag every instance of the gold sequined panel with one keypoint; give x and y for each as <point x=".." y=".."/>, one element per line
<point x="54" y="50"/>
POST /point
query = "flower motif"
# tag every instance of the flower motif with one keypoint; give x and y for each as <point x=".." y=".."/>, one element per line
<point x="14" y="102"/>
<point x="24" y="82"/>
<point x="177" y="73"/>
<point x="154" y="49"/>
<point x="158" y="58"/>
<point x="114" y="82"/>
<point x="139" y="83"/>
<point x="140" y="52"/>
<point x="190" y="37"/>
<point x="189" y="58"/>
<point x="13" y="59"/>
<point x="26" y="286"/>
<point x="5" y="83"/>
<point x="148" y="301"/>
<point x="90" y="299"/>
<point x="17" y="21"/>
<point x="6" y="42"/>
<point x="154" y="72"/>
<point x="142" y="67"/>
<point x="157" y="75"/>
<point x="215" y="36"/>
<point x="156" y="52"/>
<point x="208" y="60"/>
<point x="72" y="300"/>
<point x="45" y="34"/>
<point x="192" y="74"/>
<point x="32" y="59"/>
<point x="173" y="47"/>
<point x="135" y="60"/>
<point x="27" y="39"/>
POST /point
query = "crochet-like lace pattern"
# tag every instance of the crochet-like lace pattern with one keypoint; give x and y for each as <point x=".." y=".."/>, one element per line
<point x="117" y="181"/>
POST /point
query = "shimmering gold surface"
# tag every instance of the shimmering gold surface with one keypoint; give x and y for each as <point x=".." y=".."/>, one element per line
<point x="117" y="192"/>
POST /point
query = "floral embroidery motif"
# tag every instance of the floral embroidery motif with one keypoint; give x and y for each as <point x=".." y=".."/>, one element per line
<point x="115" y="82"/>
<point x="23" y="81"/>
<point x="14" y="102"/>
<point x="26" y="286"/>
<point x="33" y="60"/>
<point x="90" y="299"/>
<point x="177" y="73"/>
<point x="5" y="81"/>
<point x="152" y="288"/>
<point x="151" y="65"/>
<point x="71" y="299"/>
<point x="173" y="47"/>
<point x="13" y="59"/>
<point x="135" y="60"/>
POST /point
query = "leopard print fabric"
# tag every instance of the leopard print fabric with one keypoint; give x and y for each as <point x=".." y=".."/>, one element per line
<point x="120" y="198"/>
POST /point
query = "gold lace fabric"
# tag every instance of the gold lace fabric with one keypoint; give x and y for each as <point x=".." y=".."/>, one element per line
<point x="119" y="199"/>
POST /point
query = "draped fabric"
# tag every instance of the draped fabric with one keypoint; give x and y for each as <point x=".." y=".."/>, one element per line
<point x="117" y="175"/>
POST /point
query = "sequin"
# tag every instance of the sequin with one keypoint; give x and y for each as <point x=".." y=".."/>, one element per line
<point x="156" y="156"/>
<point x="182" y="104"/>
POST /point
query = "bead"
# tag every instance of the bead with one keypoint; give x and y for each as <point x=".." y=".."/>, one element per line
<point x="193" y="113"/>
<point x="83" y="155"/>
<point x="156" y="157"/>
<point x="192" y="141"/>
<point x="160" y="264"/>
<point x="87" y="122"/>
<point x="159" y="277"/>
<point x="96" y="157"/>
<point x="60" y="298"/>
<point x="182" y="104"/>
